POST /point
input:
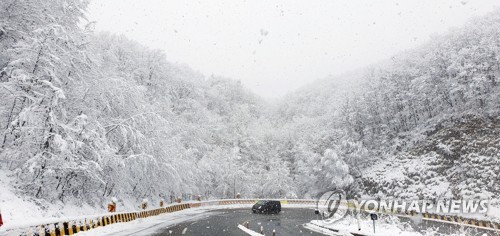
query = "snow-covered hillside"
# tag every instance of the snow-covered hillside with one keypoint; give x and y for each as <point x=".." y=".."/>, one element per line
<point x="86" y="116"/>
<point x="421" y="124"/>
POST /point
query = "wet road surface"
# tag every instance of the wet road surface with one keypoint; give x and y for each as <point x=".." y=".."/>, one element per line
<point x="288" y="222"/>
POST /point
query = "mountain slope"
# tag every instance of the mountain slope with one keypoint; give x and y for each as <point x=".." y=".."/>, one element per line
<point x="436" y="105"/>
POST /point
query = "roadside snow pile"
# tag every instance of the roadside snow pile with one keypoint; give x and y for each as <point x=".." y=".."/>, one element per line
<point x="389" y="225"/>
<point x="151" y="225"/>
<point x="349" y="224"/>
<point x="19" y="210"/>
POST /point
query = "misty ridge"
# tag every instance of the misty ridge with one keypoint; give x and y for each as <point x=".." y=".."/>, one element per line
<point x="88" y="115"/>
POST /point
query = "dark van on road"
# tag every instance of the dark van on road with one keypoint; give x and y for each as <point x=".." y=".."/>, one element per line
<point x="267" y="206"/>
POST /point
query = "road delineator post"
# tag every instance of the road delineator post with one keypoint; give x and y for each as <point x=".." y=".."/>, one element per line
<point x="1" y="221"/>
<point x="274" y="232"/>
<point x="261" y="229"/>
<point x="91" y="224"/>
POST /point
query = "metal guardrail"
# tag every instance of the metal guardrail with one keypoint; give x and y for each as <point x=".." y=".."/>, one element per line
<point x="84" y="224"/>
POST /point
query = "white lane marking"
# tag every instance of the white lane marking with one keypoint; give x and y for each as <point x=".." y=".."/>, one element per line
<point x="248" y="231"/>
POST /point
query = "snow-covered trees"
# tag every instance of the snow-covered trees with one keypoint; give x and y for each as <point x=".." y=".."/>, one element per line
<point x="41" y="136"/>
<point x="89" y="115"/>
<point x="393" y="106"/>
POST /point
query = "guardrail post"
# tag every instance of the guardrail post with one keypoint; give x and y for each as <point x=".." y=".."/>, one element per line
<point x="84" y="225"/>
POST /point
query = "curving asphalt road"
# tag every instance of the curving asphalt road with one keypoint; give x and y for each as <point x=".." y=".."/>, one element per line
<point x="224" y="222"/>
<point x="289" y="222"/>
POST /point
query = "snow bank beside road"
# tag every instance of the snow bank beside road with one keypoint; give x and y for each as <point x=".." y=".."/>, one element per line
<point x="350" y="225"/>
<point x="390" y="225"/>
<point x="18" y="210"/>
<point x="148" y="226"/>
<point x="27" y="211"/>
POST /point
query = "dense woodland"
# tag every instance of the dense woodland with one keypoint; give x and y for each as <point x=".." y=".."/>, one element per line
<point x="90" y="115"/>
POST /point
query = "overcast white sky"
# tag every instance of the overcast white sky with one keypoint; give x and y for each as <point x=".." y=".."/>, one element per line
<point x="276" y="46"/>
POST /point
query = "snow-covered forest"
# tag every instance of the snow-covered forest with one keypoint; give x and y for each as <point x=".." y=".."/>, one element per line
<point x="89" y="115"/>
